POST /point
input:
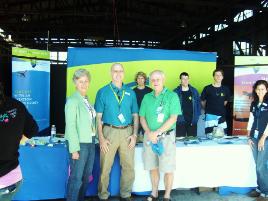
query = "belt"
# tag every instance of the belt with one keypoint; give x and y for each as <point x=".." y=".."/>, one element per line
<point x="8" y="189"/>
<point x="169" y="131"/>
<point x="117" y="127"/>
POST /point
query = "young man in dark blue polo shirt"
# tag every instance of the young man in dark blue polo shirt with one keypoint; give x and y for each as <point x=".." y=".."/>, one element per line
<point x="116" y="106"/>
<point x="190" y="105"/>
<point x="214" y="98"/>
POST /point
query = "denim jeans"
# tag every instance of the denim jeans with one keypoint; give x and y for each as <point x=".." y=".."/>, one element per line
<point x="7" y="193"/>
<point x="81" y="170"/>
<point x="261" y="160"/>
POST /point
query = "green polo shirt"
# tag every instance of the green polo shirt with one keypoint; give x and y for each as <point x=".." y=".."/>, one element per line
<point x="167" y="100"/>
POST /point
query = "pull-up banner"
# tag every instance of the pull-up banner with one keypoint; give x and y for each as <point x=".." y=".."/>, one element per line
<point x="31" y="83"/>
<point x="244" y="78"/>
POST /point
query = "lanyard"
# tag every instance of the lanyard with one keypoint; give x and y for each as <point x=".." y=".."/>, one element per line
<point x="92" y="113"/>
<point x="121" y="99"/>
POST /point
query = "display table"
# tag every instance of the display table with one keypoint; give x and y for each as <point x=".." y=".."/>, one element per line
<point x="45" y="169"/>
<point x="204" y="165"/>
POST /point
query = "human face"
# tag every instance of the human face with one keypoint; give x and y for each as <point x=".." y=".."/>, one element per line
<point x="184" y="81"/>
<point x="218" y="77"/>
<point x="140" y="81"/>
<point x="261" y="91"/>
<point x="82" y="85"/>
<point x="157" y="82"/>
<point x="117" y="73"/>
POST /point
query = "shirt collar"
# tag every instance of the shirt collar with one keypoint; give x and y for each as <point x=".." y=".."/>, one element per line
<point x="116" y="88"/>
<point x="162" y="92"/>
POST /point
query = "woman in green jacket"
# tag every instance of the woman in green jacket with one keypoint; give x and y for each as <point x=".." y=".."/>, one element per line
<point x="80" y="131"/>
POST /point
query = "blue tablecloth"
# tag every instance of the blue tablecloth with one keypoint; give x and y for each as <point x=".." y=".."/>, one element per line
<point x="45" y="173"/>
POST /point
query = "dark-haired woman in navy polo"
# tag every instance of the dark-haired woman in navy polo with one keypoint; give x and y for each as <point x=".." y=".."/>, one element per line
<point x="258" y="132"/>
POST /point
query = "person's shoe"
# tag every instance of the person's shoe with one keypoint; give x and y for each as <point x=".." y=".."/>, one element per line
<point x="254" y="194"/>
<point x="166" y="199"/>
<point x="151" y="198"/>
<point x="126" y="199"/>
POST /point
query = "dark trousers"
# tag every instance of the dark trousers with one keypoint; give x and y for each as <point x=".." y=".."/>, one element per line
<point x="187" y="129"/>
<point x="81" y="170"/>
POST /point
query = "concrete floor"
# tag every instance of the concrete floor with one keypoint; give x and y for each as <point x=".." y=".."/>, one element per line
<point x="189" y="195"/>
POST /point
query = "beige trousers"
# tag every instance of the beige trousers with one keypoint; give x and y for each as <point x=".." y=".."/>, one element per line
<point x="119" y="142"/>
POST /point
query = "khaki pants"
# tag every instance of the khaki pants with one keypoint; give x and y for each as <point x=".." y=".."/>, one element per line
<point x="118" y="140"/>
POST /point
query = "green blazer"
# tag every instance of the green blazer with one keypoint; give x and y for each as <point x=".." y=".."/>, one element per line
<point x="78" y="122"/>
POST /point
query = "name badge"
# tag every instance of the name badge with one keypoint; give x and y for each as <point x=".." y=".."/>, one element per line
<point x="121" y="118"/>
<point x="160" y="118"/>
<point x="256" y="134"/>
<point x="159" y="109"/>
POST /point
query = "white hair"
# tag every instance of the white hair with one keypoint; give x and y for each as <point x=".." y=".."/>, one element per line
<point x="159" y="72"/>
<point x="116" y="64"/>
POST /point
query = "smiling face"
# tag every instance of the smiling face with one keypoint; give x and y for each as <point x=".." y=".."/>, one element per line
<point x="218" y="77"/>
<point x="140" y="81"/>
<point x="261" y="90"/>
<point x="117" y="73"/>
<point x="82" y="85"/>
<point x="157" y="81"/>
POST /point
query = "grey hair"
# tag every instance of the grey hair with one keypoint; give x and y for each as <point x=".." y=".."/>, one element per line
<point x="159" y="72"/>
<point x="80" y="73"/>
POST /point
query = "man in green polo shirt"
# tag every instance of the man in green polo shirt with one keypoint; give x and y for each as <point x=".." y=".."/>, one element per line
<point x="158" y="116"/>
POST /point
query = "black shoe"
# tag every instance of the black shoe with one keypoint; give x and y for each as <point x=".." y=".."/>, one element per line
<point x="166" y="199"/>
<point x="254" y="194"/>
<point x="126" y="199"/>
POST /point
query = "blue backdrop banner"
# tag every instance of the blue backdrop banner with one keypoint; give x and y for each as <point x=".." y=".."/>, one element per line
<point x="31" y="83"/>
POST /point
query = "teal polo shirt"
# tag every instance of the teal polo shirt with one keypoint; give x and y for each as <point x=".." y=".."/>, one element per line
<point x="168" y="100"/>
<point x="112" y="101"/>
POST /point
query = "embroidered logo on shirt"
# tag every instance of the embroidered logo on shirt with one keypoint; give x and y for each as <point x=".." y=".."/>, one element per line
<point x="10" y="114"/>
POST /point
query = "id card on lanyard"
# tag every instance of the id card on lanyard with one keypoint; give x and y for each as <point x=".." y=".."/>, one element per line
<point x="160" y="111"/>
<point x="119" y="101"/>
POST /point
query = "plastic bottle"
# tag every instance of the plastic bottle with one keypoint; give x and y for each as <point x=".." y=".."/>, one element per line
<point x="52" y="133"/>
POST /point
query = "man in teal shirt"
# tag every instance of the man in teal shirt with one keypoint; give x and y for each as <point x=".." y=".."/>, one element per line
<point x="117" y="122"/>
<point x="158" y="116"/>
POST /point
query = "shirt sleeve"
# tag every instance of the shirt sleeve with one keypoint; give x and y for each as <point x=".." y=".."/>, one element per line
<point x="135" y="107"/>
<point x="99" y="102"/>
<point x="250" y="121"/>
<point x="175" y="105"/>
<point x="204" y="94"/>
<point x="71" y="133"/>
<point x="251" y="118"/>
<point x="30" y="126"/>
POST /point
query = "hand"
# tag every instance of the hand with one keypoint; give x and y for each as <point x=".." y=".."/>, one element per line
<point x="251" y="143"/>
<point x="132" y="141"/>
<point x="152" y="136"/>
<point x="104" y="145"/>
<point x="75" y="155"/>
<point x="261" y="143"/>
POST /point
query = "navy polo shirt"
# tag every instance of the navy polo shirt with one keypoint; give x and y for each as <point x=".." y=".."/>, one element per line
<point x="112" y="101"/>
<point x="260" y="113"/>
